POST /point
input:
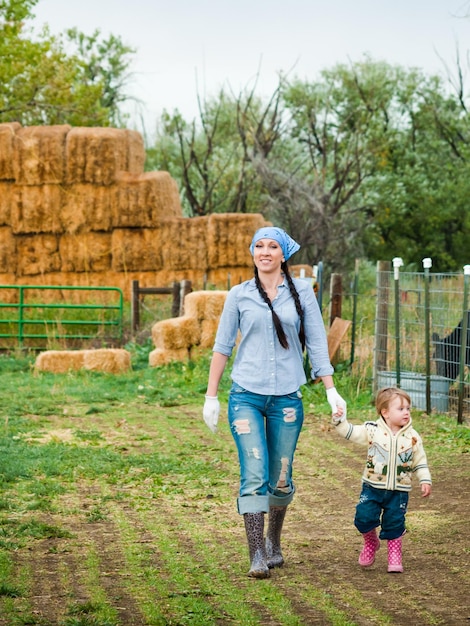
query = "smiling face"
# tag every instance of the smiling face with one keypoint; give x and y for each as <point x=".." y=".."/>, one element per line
<point x="397" y="414"/>
<point x="267" y="255"/>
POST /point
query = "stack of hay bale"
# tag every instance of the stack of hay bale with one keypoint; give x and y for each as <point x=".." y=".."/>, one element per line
<point x="77" y="208"/>
<point x="176" y="339"/>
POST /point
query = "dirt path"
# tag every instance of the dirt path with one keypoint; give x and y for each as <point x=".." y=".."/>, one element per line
<point x="320" y="544"/>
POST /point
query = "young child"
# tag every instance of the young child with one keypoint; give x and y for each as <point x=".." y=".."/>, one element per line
<point x="395" y="453"/>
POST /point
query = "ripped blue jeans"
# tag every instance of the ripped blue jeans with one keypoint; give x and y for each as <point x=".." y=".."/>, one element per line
<point x="266" y="430"/>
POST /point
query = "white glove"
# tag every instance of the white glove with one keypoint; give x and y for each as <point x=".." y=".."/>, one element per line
<point x="211" y="412"/>
<point x="336" y="402"/>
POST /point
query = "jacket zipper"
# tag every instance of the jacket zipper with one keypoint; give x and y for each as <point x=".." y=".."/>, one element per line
<point x="392" y="463"/>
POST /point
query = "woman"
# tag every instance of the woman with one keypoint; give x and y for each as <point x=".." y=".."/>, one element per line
<point x="277" y="317"/>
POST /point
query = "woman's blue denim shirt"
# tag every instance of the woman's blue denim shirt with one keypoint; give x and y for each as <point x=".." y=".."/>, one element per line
<point x="261" y="364"/>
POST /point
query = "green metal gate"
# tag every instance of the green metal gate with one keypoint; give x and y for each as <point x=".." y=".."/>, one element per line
<point x="26" y="322"/>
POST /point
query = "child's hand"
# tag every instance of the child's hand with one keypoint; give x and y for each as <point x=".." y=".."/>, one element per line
<point x="338" y="405"/>
<point x="337" y="417"/>
<point x="425" y="490"/>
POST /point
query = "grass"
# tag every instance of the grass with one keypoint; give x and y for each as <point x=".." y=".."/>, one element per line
<point x="115" y="478"/>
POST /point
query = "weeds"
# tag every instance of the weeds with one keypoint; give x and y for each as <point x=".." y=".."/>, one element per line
<point x="113" y="495"/>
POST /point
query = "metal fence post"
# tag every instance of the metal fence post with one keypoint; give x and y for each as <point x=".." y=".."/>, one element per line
<point x="381" y="320"/>
<point x="463" y="342"/>
<point x="354" y="311"/>
<point x="397" y="263"/>
<point x="21" y="317"/>
<point x="427" y="264"/>
<point x="318" y="280"/>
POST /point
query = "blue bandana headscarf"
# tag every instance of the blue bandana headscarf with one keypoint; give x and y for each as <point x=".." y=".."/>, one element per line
<point x="288" y="245"/>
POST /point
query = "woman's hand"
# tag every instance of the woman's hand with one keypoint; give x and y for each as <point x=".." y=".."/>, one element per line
<point x="338" y="405"/>
<point x="211" y="411"/>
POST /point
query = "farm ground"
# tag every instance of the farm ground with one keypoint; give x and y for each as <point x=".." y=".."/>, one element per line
<point x="151" y="548"/>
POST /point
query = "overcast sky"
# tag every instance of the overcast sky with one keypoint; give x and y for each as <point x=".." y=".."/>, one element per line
<point x="186" y="47"/>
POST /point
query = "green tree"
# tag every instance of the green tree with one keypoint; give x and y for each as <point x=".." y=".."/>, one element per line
<point x="333" y="139"/>
<point x="41" y="83"/>
<point x="371" y="160"/>
<point x="420" y="193"/>
<point x="210" y="156"/>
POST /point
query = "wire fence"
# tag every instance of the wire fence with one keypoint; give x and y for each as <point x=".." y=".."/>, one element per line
<point x="421" y="338"/>
<point x="409" y="329"/>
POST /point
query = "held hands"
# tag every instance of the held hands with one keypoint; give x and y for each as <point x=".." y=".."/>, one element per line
<point x="338" y="405"/>
<point x="211" y="411"/>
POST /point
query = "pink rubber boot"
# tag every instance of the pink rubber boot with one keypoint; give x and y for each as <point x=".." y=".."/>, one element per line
<point x="371" y="545"/>
<point x="394" y="555"/>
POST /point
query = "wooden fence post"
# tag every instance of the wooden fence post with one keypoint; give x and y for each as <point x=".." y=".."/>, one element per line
<point x="176" y="305"/>
<point x="179" y="290"/>
<point x="336" y="296"/>
<point x="186" y="287"/>
<point x="135" y="307"/>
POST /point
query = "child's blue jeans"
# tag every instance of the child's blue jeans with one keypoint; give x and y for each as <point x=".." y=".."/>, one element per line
<point x="265" y="430"/>
<point x="381" y="507"/>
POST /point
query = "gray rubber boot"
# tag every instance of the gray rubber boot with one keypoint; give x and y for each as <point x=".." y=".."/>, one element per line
<point x="273" y="536"/>
<point x="254" y="526"/>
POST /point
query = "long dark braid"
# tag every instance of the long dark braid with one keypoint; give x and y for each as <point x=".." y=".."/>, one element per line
<point x="298" y="307"/>
<point x="281" y="335"/>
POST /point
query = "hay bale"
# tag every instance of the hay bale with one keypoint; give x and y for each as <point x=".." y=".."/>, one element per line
<point x="183" y="243"/>
<point x="110" y="360"/>
<point x="8" y="296"/>
<point x="145" y="200"/>
<point x="86" y="207"/>
<point x="40" y="154"/>
<point x="8" y="258"/>
<point x="38" y="254"/>
<point x="5" y="203"/>
<point x="205" y="305"/>
<point x="226" y="277"/>
<point x="93" y="280"/>
<point x="162" y="357"/>
<point x="59" y="361"/>
<point x="229" y="237"/>
<point x="136" y="250"/>
<point x="96" y="155"/>
<point x="135" y="153"/>
<point x="137" y="197"/>
<point x="35" y="209"/>
<point x="167" y="199"/>
<point x="208" y="332"/>
<point x="176" y="333"/>
<point x="7" y="150"/>
<point x="86" y="252"/>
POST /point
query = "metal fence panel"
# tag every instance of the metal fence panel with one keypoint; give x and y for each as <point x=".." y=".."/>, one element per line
<point x="422" y="343"/>
<point x="29" y="319"/>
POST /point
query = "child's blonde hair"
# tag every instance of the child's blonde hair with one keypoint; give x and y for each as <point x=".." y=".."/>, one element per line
<point x="386" y="395"/>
